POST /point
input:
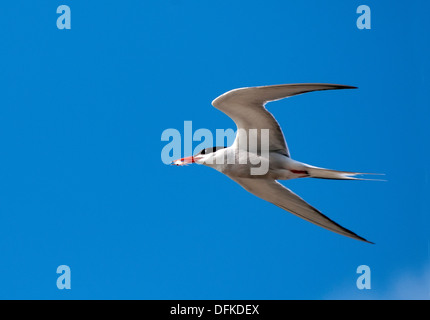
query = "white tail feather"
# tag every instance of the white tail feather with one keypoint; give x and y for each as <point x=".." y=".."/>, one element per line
<point x="321" y="173"/>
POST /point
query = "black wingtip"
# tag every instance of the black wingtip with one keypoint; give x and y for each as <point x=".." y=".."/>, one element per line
<point x="364" y="240"/>
<point x="347" y="87"/>
<point x="357" y="237"/>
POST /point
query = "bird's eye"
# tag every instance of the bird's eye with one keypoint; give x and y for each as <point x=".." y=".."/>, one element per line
<point x="203" y="151"/>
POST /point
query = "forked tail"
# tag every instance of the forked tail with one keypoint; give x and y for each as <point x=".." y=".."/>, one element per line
<point x="321" y="173"/>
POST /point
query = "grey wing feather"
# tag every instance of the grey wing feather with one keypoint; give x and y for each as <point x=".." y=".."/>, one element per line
<point x="246" y="107"/>
<point x="276" y="193"/>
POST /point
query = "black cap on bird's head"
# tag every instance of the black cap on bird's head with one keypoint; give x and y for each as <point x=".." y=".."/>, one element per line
<point x="210" y="150"/>
<point x="192" y="159"/>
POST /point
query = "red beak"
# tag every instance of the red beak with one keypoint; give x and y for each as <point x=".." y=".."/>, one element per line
<point x="183" y="161"/>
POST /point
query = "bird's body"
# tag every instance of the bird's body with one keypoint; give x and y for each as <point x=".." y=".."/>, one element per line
<point x="280" y="167"/>
<point x="259" y="155"/>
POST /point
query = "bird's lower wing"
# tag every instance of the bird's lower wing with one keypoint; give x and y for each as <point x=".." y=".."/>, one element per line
<point x="276" y="193"/>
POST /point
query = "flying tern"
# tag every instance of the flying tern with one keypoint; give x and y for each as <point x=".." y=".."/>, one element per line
<point x="246" y="107"/>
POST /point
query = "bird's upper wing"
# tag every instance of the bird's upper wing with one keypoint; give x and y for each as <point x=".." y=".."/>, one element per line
<point x="245" y="106"/>
<point x="276" y="193"/>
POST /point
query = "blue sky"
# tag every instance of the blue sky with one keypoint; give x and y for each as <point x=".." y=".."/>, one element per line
<point x="82" y="181"/>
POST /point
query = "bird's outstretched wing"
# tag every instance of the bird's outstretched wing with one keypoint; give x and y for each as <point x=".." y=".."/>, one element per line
<point x="276" y="193"/>
<point x="245" y="106"/>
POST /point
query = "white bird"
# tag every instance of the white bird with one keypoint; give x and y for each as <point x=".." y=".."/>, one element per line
<point x="246" y="107"/>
